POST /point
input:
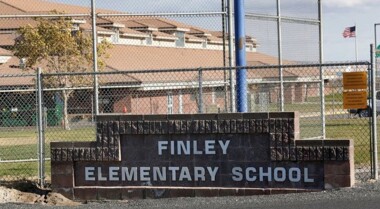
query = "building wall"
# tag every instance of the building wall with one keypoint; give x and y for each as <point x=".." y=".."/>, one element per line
<point x="156" y="102"/>
<point x="186" y="101"/>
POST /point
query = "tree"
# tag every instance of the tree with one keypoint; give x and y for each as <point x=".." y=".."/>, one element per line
<point x="54" y="45"/>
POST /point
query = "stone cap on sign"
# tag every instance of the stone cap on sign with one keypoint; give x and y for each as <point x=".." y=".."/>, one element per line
<point x="244" y="123"/>
<point x="211" y="116"/>
<point x="325" y="142"/>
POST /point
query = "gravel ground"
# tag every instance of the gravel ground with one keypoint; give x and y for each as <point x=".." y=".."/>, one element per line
<point x="363" y="195"/>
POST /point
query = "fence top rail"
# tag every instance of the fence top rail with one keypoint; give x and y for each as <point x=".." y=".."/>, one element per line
<point x="16" y="75"/>
<point x="312" y="21"/>
<point x="43" y="15"/>
<point x="178" y="70"/>
<point x="172" y="14"/>
<point x="207" y="13"/>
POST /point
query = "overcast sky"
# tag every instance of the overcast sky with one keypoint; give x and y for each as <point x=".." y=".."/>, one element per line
<point x="341" y="13"/>
<point x="337" y="14"/>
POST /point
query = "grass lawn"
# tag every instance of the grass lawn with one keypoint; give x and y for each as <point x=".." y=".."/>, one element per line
<point x="18" y="152"/>
<point x="29" y="132"/>
<point x="22" y="170"/>
<point x="354" y="128"/>
<point x="77" y="134"/>
<point x="51" y="134"/>
<point x="333" y="102"/>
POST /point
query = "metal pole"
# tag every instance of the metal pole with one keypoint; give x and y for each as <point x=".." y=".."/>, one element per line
<point x="41" y="138"/>
<point x="321" y="71"/>
<point x="231" y="56"/>
<point x="356" y="43"/>
<point x="200" y="91"/>
<point x="224" y="55"/>
<point x="224" y="32"/>
<point x="374" y="111"/>
<point x="370" y="96"/>
<point x="376" y="45"/>
<point x="92" y="110"/>
<point x="279" y="39"/>
<point x="241" y="74"/>
<point x="95" y="57"/>
<point x="376" y="24"/>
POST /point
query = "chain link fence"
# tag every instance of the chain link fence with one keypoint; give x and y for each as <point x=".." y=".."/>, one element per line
<point x="18" y="138"/>
<point x="205" y="90"/>
<point x="174" y="91"/>
<point x="166" y="59"/>
<point x="289" y="30"/>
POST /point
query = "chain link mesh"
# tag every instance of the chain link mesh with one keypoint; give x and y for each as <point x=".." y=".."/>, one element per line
<point x="18" y="138"/>
<point x="348" y="123"/>
<point x="204" y="90"/>
<point x="170" y="59"/>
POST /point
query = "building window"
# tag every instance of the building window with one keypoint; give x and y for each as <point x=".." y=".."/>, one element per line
<point x="180" y="101"/>
<point x="170" y="103"/>
<point x="219" y="92"/>
<point x="213" y="96"/>
<point x="149" y="40"/>
<point x="204" y="44"/>
<point x="115" y="37"/>
<point x="180" y="42"/>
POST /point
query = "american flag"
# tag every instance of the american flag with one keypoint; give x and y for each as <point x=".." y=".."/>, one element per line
<point x="349" y="32"/>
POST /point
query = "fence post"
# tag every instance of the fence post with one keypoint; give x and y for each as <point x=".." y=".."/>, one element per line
<point x="224" y="16"/>
<point x="231" y="56"/>
<point x="200" y="91"/>
<point x="321" y="71"/>
<point x="241" y="61"/>
<point x="279" y="48"/>
<point x="41" y="137"/>
<point x="375" y="173"/>
<point x="95" y="56"/>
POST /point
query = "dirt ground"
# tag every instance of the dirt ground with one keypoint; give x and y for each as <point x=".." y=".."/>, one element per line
<point x="28" y="193"/>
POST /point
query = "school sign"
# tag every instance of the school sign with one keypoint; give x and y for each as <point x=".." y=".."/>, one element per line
<point x="142" y="156"/>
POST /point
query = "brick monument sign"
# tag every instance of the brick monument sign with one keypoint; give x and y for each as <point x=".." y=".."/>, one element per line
<point x="151" y="156"/>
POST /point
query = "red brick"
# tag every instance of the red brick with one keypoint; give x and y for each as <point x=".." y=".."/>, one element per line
<point x="132" y="194"/>
<point x="228" y="192"/>
<point x="336" y="181"/>
<point x="85" y="194"/>
<point x="152" y="193"/>
<point x="308" y="190"/>
<point x="337" y="168"/>
<point x="66" y="192"/>
<point x="84" y="144"/>
<point x="181" y="193"/>
<point x="109" y="194"/>
<point x="61" y="144"/>
<point x="62" y="181"/>
<point x="61" y="168"/>
<point x="282" y="191"/>
<point x="206" y="192"/>
<point x="251" y="192"/>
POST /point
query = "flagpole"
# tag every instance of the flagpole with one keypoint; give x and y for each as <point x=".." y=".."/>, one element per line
<point x="356" y="43"/>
